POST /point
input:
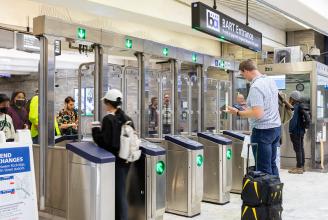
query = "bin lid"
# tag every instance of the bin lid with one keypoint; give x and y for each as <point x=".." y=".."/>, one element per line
<point x="215" y="138"/>
<point x="91" y="152"/>
<point x="184" y="142"/>
<point x="235" y="134"/>
<point x="66" y="138"/>
<point x="150" y="148"/>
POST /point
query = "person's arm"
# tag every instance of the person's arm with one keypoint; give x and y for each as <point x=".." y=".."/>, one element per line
<point x="12" y="129"/>
<point x="102" y="136"/>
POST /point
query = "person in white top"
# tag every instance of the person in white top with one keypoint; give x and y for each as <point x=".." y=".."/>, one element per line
<point x="6" y="122"/>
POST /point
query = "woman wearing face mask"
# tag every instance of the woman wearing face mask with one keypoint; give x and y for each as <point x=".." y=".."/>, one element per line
<point x="17" y="110"/>
<point x="6" y="123"/>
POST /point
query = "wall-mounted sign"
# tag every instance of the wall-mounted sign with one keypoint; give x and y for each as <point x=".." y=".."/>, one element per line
<point x="28" y="43"/>
<point x="224" y="64"/>
<point x="57" y="45"/>
<point x="217" y="24"/>
<point x="6" y="39"/>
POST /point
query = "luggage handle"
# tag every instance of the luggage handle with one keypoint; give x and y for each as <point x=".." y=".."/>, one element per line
<point x="247" y="165"/>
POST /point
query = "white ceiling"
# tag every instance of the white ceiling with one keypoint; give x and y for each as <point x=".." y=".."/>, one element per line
<point x="262" y="13"/>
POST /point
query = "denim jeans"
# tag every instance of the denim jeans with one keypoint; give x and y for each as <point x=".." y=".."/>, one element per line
<point x="266" y="152"/>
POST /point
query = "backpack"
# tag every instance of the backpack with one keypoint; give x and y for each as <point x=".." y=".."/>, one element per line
<point x="130" y="142"/>
<point x="305" y="118"/>
<point x="285" y="109"/>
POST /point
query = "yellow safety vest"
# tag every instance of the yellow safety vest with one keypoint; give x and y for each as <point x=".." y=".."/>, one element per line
<point x="34" y="117"/>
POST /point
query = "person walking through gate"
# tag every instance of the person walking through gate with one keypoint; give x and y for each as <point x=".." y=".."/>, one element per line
<point x="263" y="114"/>
<point x="107" y="136"/>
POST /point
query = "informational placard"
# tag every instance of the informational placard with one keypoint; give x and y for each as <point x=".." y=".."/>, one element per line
<point x="217" y="24"/>
<point x="18" y="199"/>
<point x="28" y="43"/>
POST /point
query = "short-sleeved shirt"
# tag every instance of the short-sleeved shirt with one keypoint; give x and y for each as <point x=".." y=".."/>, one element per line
<point x="264" y="93"/>
<point x="67" y="117"/>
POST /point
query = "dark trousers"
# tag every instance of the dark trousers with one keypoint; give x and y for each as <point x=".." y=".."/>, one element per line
<point x="121" y="203"/>
<point x="166" y="129"/>
<point x="266" y="151"/>
<point x="35" y="139"/>
<point x="298" y="144"/>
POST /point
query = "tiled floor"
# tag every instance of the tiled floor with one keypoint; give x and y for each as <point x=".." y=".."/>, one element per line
<point x="305" y="198"/>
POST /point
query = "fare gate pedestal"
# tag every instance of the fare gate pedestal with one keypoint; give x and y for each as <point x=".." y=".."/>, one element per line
<point x="184" y="180"/>
<point x="217" y="167"/>
<point x="91" y="182"/>
<point x="238" y="163"/>
<point x="146" y="183"/>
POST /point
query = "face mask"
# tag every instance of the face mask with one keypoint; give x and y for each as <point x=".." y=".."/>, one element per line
<point x="4" y="110"/>
<point x="20" y="103"/>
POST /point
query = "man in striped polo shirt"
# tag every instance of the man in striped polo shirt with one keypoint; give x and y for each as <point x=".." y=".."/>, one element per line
<point x="263" y="114"/>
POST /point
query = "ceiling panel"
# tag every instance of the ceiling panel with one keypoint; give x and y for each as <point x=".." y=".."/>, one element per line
<point x="262" y="13"/>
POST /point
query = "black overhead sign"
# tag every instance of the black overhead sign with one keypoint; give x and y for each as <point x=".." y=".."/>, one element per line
<point x="212" y="22"/>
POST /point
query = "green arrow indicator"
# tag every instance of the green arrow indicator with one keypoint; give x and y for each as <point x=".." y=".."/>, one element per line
<point x="81" y="33"/>
<point x="165" y="51"/>
<point x="229" y="154"/>
<point x="128" y="43"/>
<point x="160" y="167"/>
<point x="199" y="160"/>
<point x="194" y="57"/>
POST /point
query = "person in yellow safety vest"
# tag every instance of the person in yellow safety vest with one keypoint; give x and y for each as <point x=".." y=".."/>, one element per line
<point x="34" y="119"/>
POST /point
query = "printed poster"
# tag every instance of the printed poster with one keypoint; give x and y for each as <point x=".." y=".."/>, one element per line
<point x="18" y="199"/>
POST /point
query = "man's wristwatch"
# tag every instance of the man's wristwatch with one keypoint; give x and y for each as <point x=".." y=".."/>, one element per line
<point x="238" y="113"/>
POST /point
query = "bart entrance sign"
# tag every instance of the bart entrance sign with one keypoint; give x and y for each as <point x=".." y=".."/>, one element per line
<point x="217" y="24"/>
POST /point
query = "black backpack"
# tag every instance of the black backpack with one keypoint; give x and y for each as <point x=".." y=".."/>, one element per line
<point x="305" y="118"/>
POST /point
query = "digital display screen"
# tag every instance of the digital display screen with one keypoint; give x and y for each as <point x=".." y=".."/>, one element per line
<point x="280" y="81"/>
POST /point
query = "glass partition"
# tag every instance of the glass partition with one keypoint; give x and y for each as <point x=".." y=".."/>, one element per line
<point x="152" y="102"/>
<point x="195" y="102"/>
<point x="132" y="105"/>
<point x="183" y="104"/>
<point x="167" y="116"/>
<point x="224" y="94"/>
<point x="210" y="104"/>
<point x="66" y="85"/>
<point x="19" y="71"/>
<point x="322" y="97"/>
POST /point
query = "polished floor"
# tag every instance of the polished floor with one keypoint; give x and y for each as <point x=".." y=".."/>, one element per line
<point x="305" y="198"/>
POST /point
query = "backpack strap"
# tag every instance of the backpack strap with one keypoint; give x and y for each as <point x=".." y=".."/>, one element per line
<point x="127" y="123"/>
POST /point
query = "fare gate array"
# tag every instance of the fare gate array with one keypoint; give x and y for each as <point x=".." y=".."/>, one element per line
<point x="217" y="167"/>
<point x="146" y="184"/>
<point x="91" y="182"/>
<point x="184" y="183"/>
<point x="238" y="163"/>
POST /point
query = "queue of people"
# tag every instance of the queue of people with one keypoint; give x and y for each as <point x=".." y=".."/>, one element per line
<point x="17" y="113"/>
